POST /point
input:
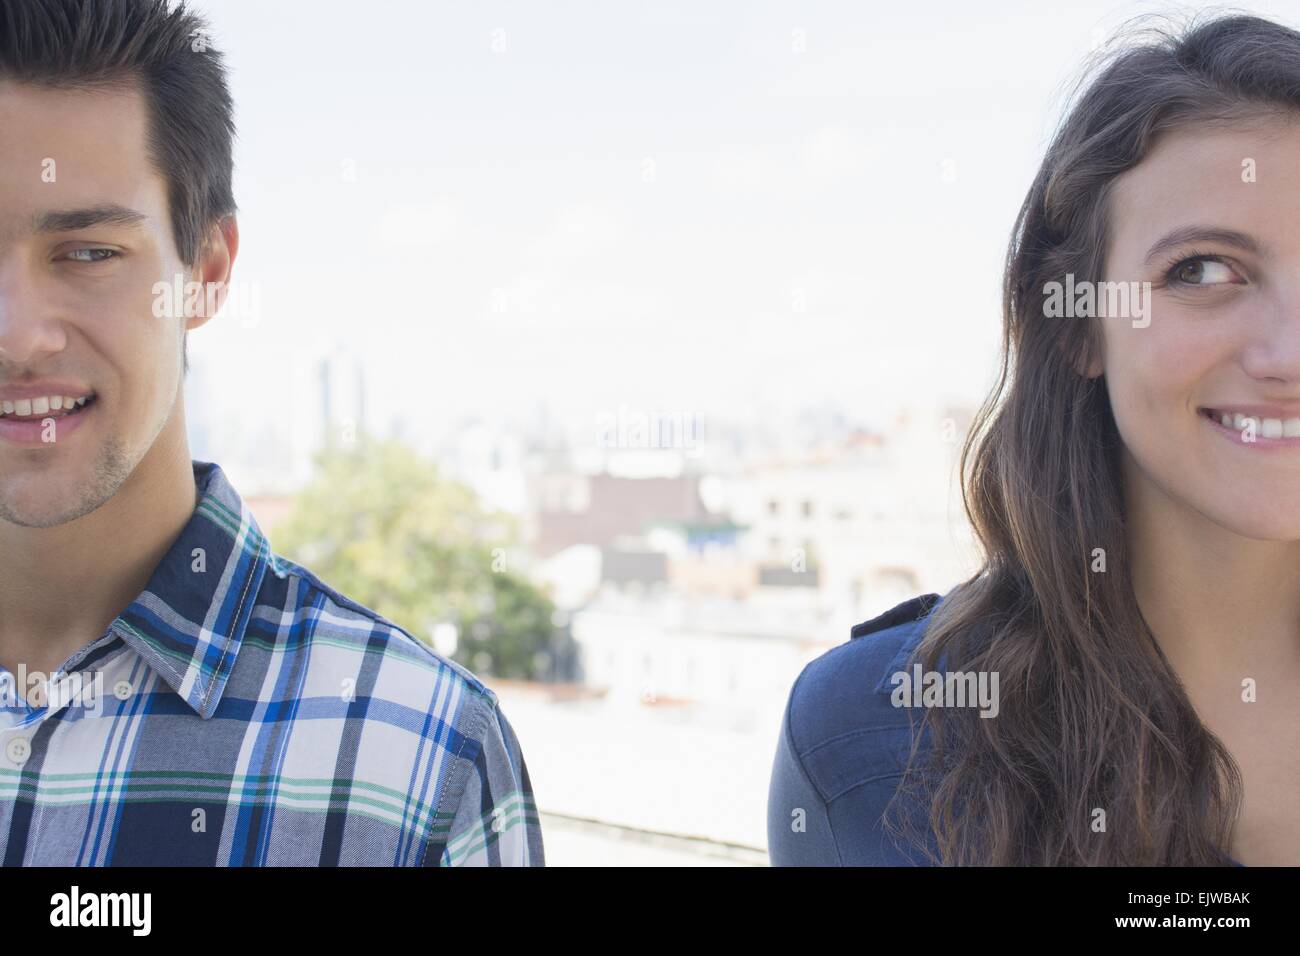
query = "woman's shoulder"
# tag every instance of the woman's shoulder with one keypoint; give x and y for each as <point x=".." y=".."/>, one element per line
<point x="844" y="747"/>
<point x="848" y="689"/>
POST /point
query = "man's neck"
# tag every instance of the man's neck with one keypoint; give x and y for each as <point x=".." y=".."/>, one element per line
<point x="60" y="587"/>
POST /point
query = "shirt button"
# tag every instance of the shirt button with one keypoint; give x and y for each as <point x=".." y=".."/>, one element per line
<point x="18" y="750"/>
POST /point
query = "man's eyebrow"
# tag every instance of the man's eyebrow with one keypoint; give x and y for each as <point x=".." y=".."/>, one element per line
<point x="104" y="214"/>
<point x="1184" y="234"/>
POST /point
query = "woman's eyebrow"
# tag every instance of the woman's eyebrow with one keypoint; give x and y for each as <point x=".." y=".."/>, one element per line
<point x="104" y="214"/>
<point x="1183" y="234"/>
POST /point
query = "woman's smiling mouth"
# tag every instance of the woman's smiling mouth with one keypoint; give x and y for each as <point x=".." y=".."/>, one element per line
<point x="1255" y="425"/>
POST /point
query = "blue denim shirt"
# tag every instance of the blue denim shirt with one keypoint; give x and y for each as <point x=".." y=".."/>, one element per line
<point x="843" y="748"/>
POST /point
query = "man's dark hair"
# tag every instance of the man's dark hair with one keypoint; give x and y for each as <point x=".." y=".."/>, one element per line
<point x="104" y="44"/>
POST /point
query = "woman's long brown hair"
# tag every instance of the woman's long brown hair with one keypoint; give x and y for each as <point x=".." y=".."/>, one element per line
<point x="1096" y="756"/>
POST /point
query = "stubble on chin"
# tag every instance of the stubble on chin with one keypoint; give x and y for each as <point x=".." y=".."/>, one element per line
<point x="109" y="472"/>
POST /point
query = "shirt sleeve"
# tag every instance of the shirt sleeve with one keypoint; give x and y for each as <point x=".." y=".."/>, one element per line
<point x="798" y="823"/>
<point x="496" y="821"/>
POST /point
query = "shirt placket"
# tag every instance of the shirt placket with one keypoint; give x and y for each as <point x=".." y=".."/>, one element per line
<point x="20" y="719"/>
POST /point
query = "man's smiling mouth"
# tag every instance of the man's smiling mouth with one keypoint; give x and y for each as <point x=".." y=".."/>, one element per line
<point x="48" y="406"/>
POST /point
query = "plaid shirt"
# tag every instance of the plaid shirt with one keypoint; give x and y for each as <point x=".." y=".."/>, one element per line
<point x="241" y="712"/>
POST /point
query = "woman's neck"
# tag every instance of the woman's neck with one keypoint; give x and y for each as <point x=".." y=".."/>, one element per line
<point x="1223" y="607"/>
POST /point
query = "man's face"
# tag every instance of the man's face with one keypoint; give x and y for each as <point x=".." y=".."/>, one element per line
<point x="77" y="301"/>
<point x="1224" y="329"/>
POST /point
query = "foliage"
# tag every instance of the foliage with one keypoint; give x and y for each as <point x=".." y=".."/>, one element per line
<point x="379" y="524"/>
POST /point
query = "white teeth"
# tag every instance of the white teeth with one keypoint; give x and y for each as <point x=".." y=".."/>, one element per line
<point x="1262" y="427"/>
<point x="41" y="405"/>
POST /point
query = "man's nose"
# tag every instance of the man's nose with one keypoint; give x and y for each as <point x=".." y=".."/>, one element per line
<point x="28" y="328"/>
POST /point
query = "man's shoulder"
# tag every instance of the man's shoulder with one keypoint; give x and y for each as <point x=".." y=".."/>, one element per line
<point x="841" y="717"/>
<point x="401" y="717"/>
<point x="397" y="711"/>
<point x="357" y="647"/>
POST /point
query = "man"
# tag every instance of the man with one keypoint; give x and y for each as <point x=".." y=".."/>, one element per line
<point x="174" y="692"/>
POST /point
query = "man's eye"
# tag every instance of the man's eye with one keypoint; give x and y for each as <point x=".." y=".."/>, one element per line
<point x="93" y="255"/>
<point x="1202" y="270"/>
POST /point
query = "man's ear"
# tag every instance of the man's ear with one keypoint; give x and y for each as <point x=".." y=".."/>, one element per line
<point x="213" y="269"/>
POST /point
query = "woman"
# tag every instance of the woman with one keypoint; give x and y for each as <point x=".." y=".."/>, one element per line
<point x="1134" y="480"/>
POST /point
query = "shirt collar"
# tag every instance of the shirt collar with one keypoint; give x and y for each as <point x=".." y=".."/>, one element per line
<point x="911" y="616"/>
<point x="190" y="620"/>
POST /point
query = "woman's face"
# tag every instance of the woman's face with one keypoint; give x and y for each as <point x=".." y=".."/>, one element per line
<point x="1211" y="219"/>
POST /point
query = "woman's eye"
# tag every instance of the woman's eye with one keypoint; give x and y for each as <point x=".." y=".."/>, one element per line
<point x="1202" y="270"/>
<point x="94" y="255"/>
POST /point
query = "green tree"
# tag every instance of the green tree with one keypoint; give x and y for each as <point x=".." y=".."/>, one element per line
<point x="379" y="524"/>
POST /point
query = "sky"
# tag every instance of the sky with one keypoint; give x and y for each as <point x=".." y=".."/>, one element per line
<point x="725" y="209"/>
